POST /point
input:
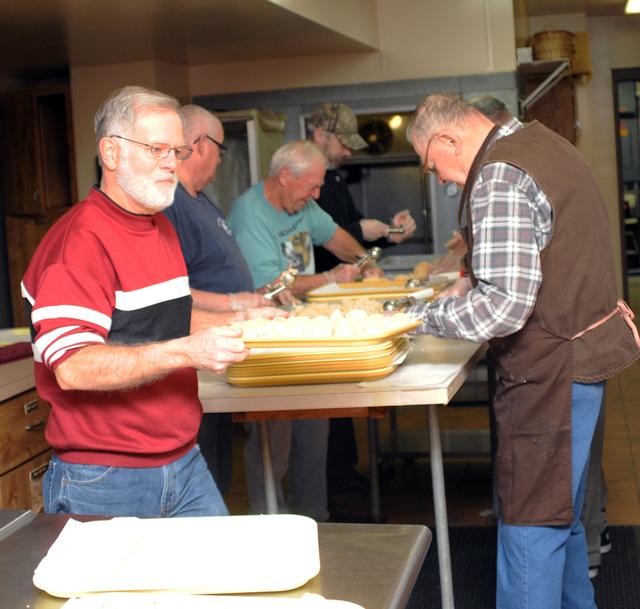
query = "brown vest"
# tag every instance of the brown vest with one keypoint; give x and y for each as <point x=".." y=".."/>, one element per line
<point x="536" y="366"/>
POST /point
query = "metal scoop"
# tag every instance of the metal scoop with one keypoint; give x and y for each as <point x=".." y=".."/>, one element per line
<point x="400" y="304"/>
<point x="284" y="280"/>
<point x="414" y="282"/>
<point x="396" y="229"/>
<point x="373" y="254"/>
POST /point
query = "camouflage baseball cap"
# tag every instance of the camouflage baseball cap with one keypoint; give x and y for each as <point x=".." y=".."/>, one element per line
<point x="339" y="119"/>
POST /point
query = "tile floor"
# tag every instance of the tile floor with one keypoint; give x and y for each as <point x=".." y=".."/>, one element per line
<point x="406" y="493"/>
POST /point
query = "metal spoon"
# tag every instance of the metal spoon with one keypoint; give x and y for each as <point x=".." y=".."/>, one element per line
<point x="396" y="229"/>
<point x="400" y="304"/>
<point x="414" y="282"/>
<point x="284" y="280"/>
<point x="373" y="254"/>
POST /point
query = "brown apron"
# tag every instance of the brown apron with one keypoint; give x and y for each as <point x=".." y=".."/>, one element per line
<point x="536" y="366"/>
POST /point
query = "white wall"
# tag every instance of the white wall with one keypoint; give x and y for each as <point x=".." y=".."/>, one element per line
<point x="614" y="43"/>
<point x="417" y="39"/>
<point x="91" y="85"/>
<point x="356" y="19"/>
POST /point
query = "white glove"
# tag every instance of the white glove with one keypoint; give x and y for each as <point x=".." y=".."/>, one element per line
<point x="343" y="273"/>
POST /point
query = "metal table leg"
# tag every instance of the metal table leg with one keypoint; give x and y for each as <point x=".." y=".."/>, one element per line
<point x="372" y="427"/>
<point x="269" y="482"/>
<point x="440" y="508"/>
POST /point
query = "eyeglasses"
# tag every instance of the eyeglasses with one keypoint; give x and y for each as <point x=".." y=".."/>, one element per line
<point x="220" y="145"/>
<point x="162" y="151"/>
<point x="425" y="165"/>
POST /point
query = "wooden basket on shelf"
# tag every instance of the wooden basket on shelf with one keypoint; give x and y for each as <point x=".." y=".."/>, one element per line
<point x="557" y="44"/>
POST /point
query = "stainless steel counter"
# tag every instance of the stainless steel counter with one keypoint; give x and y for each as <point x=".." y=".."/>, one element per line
<point x="373" y="565"/>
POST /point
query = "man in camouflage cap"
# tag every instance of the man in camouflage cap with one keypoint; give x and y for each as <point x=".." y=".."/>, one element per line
<point x="333" y="127"/>
<point x="339" y="119"/>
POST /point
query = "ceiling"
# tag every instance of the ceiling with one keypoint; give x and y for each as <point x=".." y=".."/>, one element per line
<point x="42" y="38"/>
<point x="45" y="37"/>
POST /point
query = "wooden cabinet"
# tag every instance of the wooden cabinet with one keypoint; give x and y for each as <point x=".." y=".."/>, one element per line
<point x="556" y="109"/>
<point x="23" y="236"/>
<point x="38" y="173"/>
<point x="555" y="106"/>
<point x="24" y="452"/>
<point x="21" y="488"/>
<point x="38" y="157"/>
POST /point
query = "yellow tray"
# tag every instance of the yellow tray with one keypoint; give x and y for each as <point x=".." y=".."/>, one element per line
<point x="350" y="376"/>
<point x="373" y="294"/>
<point x="359" y="289"/>
<point x="311" y="368"/>
<point x="303" y="366"/>
<point x="375" y="283"/>
<point x="295" y="354"/>
<point x="374" y="339"/>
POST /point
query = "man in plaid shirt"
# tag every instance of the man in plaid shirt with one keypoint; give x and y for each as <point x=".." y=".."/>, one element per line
<point x="530" y="205"/>
<point x="514" y="221"/>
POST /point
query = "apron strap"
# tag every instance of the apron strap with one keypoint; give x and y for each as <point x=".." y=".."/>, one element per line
<point x="622" y="308"/>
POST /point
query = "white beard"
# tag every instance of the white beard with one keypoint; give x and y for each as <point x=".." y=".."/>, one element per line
<point x="144" y="189"/>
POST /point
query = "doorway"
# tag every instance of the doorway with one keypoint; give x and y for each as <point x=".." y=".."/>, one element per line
<point x="626" y="95"/>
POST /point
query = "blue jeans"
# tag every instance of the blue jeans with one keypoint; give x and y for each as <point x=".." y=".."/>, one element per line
<point x="546" y="567"/>
<point x="182" y="488"/>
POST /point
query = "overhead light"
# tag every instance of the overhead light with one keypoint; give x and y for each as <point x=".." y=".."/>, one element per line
<point x="395" y="121"/>
<point x="633" y="6"/>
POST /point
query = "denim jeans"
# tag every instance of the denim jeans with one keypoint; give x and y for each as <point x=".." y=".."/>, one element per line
<point x="546" y="567"/>
<point x="182" y="488"/>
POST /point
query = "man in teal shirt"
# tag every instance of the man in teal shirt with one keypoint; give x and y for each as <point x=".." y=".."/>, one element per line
<point x="276" y="224"/>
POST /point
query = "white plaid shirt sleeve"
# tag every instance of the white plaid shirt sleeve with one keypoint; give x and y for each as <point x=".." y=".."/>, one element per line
<point x="512" y="223"/>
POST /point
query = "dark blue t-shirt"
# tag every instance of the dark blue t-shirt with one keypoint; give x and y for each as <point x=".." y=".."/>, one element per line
<point x="214" y="260"/>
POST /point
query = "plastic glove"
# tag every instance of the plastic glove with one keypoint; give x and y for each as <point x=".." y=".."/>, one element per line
<point x="372" y="230"/>
<point x="456" y="245"/>
<point x="343" y="273"/>
<point x="447" y="264"/>
<point x="405" y="219"/>
<point x="270" y="312"/>
<point x="371" y="270"/>
<point x="245" y="300"/>
<point x="286" y="297"/>
<point x="459" y="288"/>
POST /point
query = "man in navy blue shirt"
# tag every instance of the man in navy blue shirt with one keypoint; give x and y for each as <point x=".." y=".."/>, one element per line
<point x="218" y="274"/>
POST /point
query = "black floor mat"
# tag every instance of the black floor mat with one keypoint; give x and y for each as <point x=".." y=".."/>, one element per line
<point x="473" y="560"/>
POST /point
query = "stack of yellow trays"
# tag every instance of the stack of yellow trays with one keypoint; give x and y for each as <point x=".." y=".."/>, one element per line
<point x="336" y="360"/>
<point x="372" y="288"/>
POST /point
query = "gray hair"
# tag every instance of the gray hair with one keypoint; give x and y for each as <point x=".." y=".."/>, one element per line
<point x="117" y="114"/>
<point x="297" y="156"/>
<point x="492" y="107"/>
<point x="435" y="112"/>
<point x="196" y="119"/>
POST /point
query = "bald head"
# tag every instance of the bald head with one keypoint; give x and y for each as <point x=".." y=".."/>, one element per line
<point x="204" y="132"/>
<point x="197" y="121"/>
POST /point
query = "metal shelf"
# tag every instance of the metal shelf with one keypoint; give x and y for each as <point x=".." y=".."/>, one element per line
<point x="554" y="70"/>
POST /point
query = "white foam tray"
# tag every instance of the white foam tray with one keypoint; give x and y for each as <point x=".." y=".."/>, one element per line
<point x="206" y="555"/>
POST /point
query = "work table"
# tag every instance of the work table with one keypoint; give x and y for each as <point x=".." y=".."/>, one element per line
<point x="374" y="566"/>
<point x="15" y="378"/>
